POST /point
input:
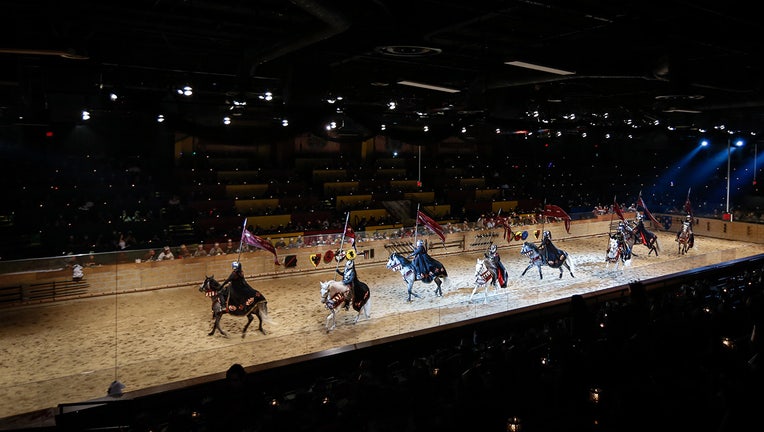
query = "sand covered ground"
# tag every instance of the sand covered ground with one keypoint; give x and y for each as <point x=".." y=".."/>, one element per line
<point x="71" y="351"/>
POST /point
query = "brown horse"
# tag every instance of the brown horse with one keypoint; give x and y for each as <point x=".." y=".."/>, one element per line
<point x="335" y="293"/>
<point x="249" y="304"/>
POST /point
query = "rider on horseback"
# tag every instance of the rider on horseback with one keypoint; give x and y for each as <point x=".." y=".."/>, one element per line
<point x="349" y="278"/>
<point x="621" y="233"/>
<point x="687" y="227"/>
<point x="422" y="262"/>
<point x="495" y="266"/>
<point x="241" y="291"/>
<point x="553" y="255"/>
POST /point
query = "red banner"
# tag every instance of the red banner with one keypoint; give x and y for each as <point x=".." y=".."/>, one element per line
<point x="554" y="211"/>
<point x="431" y="224"/>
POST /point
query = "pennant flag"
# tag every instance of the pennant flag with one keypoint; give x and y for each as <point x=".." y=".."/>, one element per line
<point x="349" y="233"/>
<point x="617" y="210"/>
<point x="641" y="203"/>
<point x="687" y="205"/>
<point x="258" y="242"/>
<point x="431" y="224"/>
<point x="554" y="211"/>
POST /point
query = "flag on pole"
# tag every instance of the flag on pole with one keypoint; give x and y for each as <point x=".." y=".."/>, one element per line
<point x="258" y="242"/>
<point x="687" y="205"/>
<point x="349" y="233"/>
<point x="553" y="211"/>
<point x="617" y="210"/>
<point x="641" y="203"/>
<point x="431" y="224"/>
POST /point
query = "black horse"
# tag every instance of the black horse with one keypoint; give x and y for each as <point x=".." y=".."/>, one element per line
<point x="647" y="238"/>
<point x="250" y="304"/>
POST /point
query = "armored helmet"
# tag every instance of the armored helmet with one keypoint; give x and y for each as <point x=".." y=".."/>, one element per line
<point x="349" y="264"/>
<point x="236" y="265"/>
<point x="492" y="249"/>
<point x="548" y="235"/>
<point x="419" y="243"/>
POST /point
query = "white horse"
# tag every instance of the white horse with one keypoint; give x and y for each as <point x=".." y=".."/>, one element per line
<point x="615" y="254"/>
<point x="403" y="265"/>
<point x="483" y="279"/>
<point x="335" y="294"/>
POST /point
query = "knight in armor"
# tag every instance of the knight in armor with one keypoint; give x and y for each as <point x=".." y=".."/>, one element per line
<point x="620" y="235"/>
<point x="359" y="291"/>
<point x="553" y="255"/>
<point x="422" y="261"/>
<point x="496" y="267"/>
<point x="687" y="226"/>
<point x="240" y="289"/>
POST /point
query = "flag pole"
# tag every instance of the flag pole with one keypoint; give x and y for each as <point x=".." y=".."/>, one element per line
<point x="241" y="239"/>
<point x="342" y="242"/>
<point x="543" y="220"/>
<point x="610" y="227"/>
<point x="416" y="224"/>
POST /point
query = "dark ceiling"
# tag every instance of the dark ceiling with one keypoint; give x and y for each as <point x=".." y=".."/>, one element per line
<point x="637" y="65"/>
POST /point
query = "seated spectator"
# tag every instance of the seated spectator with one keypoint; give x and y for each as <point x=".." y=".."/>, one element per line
<point x="216" y="250"/>
<point x="183" y="252"/>
<point x="229" y="247"/>
<point x="280" y="243"/>
<point x="166" y="254"/>
<point x="149" y="256"/>
<point x="200" y="250"/>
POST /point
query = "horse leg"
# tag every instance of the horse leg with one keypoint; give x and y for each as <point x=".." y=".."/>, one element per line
<point x="474" y="290"/>
<point x="438" y="290"/>
<point x="411" y="292"/>
<point x="541" y="276"/>
<point x="217" y="326"/>
<point x="330" y="319"/>
<point x="259" y="318"/>
<point x="526" y="269"/>
<point x="246" y="326"/>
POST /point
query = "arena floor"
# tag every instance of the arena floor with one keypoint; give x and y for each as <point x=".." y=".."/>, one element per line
<point x="71" y="351"/>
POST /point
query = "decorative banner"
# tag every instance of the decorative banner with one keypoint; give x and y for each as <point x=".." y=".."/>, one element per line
<point x="315" y="259"/>
<point x="350" y="254"/>
<point x="328" y="256"/>
<point x="525" y="235"/>
<point x="537" y="233"/>
<point x="518" y="235"/>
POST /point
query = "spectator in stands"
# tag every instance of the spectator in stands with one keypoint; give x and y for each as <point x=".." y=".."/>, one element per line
<point x="280" y="243"/>
<point x="229" y="247"/>
<point x="150" y="255"/>
<point x="216" y="250"/>
<point x="166" y="254"/>
<point x="77" y="273"/>
<point x="183" y="252"/>
<point x="200" y="250"/>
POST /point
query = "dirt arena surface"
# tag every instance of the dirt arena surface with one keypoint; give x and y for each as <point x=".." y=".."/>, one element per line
<point x="71" y="351"/>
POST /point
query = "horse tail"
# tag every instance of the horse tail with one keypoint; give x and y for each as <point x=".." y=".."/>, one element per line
<point x="570" y="262"/>
<point x="262" y="307"/>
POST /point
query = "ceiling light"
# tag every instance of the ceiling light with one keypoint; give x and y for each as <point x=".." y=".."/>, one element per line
<point x="85" y="115"/>
<point x="185" y="91"/>
<point x="539" y="68"/>
<point x="160" y="118"/>
<point x="428" y="86"/>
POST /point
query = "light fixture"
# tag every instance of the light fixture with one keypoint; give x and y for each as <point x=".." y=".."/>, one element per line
<point x="539" y="68"/>
<point x="185" y="91"/>
<point x="160" y="118"/>
<point x="428" y="86"/>
<point x="85" y="115"/>
<point x="226" y="120"/>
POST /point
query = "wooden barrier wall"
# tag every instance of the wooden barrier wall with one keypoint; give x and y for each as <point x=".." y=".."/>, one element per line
<point x="130" y="277"/>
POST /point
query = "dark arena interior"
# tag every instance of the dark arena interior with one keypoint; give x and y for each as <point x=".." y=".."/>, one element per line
<point x="289" y="133"/>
